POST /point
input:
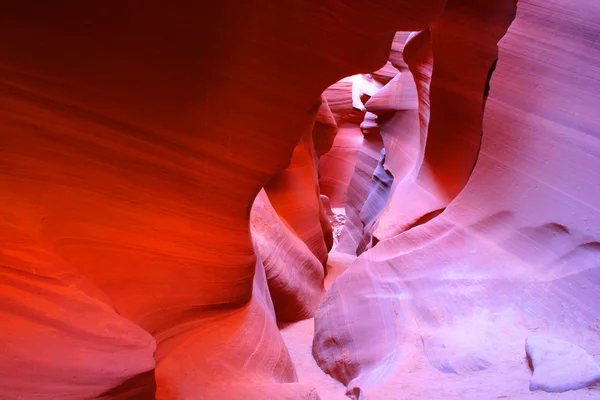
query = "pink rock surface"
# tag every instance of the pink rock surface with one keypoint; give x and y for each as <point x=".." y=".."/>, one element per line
<point x="393" y="110"/>
<point x="336" y="168"/>
<point x="360" y="185"/>
<point x="386" y="73"/>
<point x="397" y="58"/>
<point x="462" y="63"/>
<point x="295" y="276"/>
<point x="403" y="130"/>
<point x="349" y="151"/>
<point x="515" y="252"/>
<point x="378" y="195"/>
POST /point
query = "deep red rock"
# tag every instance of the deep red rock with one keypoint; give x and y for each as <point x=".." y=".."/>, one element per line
<point x="295" y="194"/>
<point x="134" y="140"/>
<point x="48" y="307"/>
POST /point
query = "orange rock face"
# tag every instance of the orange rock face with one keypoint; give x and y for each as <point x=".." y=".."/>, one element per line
<point x="169" y="175"/>
<point x="133" y="143"/>
<point x="48" y="307"/>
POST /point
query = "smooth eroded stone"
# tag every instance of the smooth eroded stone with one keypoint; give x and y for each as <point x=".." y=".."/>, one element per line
<point x="61" y="337"/>
<point x="559" y="366"/>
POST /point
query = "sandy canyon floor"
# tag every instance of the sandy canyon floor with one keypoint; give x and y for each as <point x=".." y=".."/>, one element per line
<point x="504" y="342"/>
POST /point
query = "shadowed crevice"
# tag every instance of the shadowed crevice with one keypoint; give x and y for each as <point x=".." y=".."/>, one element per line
<point x="139" y="387"/>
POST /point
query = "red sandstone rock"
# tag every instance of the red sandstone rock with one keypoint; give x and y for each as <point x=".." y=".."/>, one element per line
<point x="404" y="131"/>
<point x="337" y="166"/>
<point x="339" y="99"/>
<point x="381" y="185"/>
<point x="295" y="276"/>
<point x="325" y="128"/>
<point x="234" y="352"/>
<point x="295" y="195"/>
<point x="397" y="58"/>
<point x="385" y="74"/>
<point x="134" y="140"/>
<point x="60" y="335"/>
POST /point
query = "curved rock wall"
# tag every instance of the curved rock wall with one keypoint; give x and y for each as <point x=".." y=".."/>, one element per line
<point x="141" y="257"/>
<point x="464" y="49"/>
<point x="134" y="140"/>
<point x="360" y="185"/>
<point x="47" y="305"/>
<point x="515" y="252"/>
<point x="295" y="195"/>
<point x="295" y="276"/>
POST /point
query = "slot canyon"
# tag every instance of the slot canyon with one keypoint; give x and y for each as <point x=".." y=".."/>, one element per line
<point x="300" y="199"/>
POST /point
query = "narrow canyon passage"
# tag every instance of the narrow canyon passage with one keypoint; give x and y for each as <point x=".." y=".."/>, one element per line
<point x="366" y="200"/>
<point x="478" y="354"/>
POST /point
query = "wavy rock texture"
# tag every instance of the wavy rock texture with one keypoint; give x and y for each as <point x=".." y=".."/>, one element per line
<point x="336" y="168"/>
<point x="378" y="196"/>
<point x="237" y="353"/>
<point x="461" y="69"/>
<point x="403" y="134"/>
<point x="323" y="136"/>
<point x="141" y="257"/>
<point x="335" y="221"/>
<point x="294" y="193"/>
<point x="325" y="128"/>
<point x="394" y="122"/>
<point x="339" y="99"/>
<point x="295" y="276"/>
<point x="345" y="171"/>
<point x="336" y="164"/>
<point x="60" y="334"/>
<point x="360" y="185"/>
<point x="134" y="142"/>
<point x="516" y="250"/>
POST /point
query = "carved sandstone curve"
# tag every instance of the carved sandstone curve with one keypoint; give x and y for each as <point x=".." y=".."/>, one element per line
<point x="147" y="191"/>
